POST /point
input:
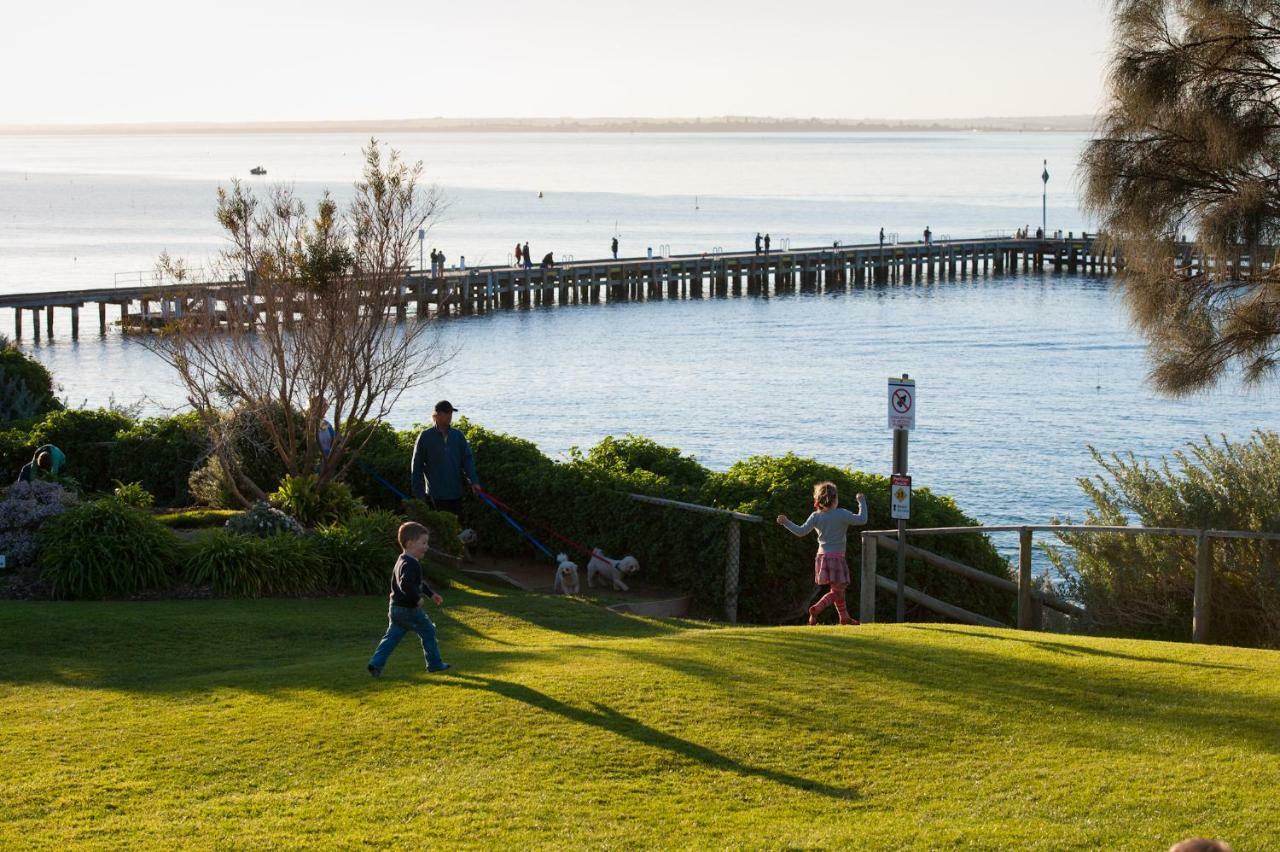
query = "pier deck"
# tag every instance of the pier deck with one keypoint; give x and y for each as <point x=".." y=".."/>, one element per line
<point x="486" y="288"/>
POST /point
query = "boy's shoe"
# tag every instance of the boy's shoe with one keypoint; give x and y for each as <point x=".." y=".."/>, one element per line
<point x="442" y="668"/>
<point x="374" y="670"/>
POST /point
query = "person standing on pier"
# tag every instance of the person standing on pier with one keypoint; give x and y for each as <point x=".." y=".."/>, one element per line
<point x="518" y="254"/>
<point x="882" y="238"/>
<point x="528" y="258"/>
<point x="433" y="263"/>
<point x="928" y="236"/>
<point x="757" y="242"/>
<point x="614" y="247"/>
<point x="766" y="243"/>
<point x="442" y="459"/>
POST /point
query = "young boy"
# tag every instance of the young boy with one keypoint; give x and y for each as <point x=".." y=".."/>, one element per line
<point x="405" y="612"/>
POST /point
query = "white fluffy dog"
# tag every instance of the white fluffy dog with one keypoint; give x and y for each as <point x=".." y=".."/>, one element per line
<point x="468" y="537"/>
<point x="566" y="576"/>
<point x="612" y="570"/>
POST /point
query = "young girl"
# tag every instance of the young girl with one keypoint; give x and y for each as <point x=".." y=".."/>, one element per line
<point x="830" y="568"/>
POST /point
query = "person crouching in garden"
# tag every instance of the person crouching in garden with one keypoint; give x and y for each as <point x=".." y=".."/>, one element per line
<point x="405" y="611"/>
<point x="830" y="568"/>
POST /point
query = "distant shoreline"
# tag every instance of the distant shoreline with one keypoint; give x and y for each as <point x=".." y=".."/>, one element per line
<point x="723" y="124"/>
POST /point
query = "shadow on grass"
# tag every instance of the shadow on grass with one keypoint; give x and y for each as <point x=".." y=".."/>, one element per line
<point x="273" y="645"/>
<point x="607" y="719"/>
<point x="1072" y="650"/>
<point x="1098" y="705"/>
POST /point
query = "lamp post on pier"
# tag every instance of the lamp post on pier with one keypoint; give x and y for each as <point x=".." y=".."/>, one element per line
<point x="1044" y="202"/>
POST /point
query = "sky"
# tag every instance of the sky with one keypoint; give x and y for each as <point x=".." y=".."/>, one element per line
<point x="77" y="62"/>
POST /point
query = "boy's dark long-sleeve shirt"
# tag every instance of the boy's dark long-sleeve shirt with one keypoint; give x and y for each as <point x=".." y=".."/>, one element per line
<point x="407" y="583"/>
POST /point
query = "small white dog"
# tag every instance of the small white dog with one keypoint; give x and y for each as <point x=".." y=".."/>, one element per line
<point x="566" y="576"/>
<point x="468" y="537"/>
<point x="612" y="570"/>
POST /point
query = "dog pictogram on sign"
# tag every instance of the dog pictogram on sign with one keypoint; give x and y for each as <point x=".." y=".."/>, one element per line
<point x="902" y="404"/>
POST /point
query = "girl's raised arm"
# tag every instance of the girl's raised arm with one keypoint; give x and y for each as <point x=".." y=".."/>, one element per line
<point x="804" y="530"/>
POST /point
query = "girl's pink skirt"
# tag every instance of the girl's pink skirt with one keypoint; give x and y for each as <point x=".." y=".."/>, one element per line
<point x="830" y="568"/>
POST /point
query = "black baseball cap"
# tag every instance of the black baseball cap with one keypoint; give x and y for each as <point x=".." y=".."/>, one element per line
<point x="445" y="405"/>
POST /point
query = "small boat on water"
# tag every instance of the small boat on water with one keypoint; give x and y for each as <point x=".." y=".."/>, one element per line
<point x="257" y="170"/>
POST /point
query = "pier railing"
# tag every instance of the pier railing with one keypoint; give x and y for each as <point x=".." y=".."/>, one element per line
<point x="1032" y="600"/>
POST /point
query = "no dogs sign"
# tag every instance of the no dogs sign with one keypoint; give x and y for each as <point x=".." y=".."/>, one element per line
<point x="900" y="497"/>
<point x="902" y="404"/>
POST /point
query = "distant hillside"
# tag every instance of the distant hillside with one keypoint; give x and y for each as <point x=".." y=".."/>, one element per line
<point x="714" y="124"/>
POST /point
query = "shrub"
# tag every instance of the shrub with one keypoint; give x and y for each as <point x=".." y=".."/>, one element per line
<point x="160" y="453"/>
<point x="238" y="565"/>
<point x="444" y="526"/>
<point x="86" y="436"/>
<point x="26" y="506"/>
<point x="207" y="486"/>
<point x="26" y="386"/>
<point x="133" y="494"/>
<point x="386" y="455"/>
<point x="313" y="502"/>
<point x="105" y="548"/>
<point x="644" y="465"/>
<point x="15" y="451"/>
<point x="360" y="553"/>
<point x="263" y="520"/>
<point x="252" y="452"/>
<point x="1144" y="585"/>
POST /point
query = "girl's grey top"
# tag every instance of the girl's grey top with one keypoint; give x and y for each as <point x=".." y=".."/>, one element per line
<point x="832" y="526"/>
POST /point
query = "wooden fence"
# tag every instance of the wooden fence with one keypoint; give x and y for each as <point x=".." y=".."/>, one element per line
<point x="1031" y="599"/>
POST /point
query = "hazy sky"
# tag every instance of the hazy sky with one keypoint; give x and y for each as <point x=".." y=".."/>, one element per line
<point x="236" y="60"/>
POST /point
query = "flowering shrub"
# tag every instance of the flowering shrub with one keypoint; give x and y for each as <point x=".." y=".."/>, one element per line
<point x="25" y="507"/>
<point x="263" y="520"/>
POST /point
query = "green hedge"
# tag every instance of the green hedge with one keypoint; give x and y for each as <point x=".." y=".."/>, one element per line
<point x="585" y="500"/>
<point x="105" y="447"/>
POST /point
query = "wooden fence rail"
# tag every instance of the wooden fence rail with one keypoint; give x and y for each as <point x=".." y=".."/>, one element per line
<point x="1029" y="597"/>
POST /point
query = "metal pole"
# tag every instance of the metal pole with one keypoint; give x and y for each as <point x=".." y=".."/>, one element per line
<point x="732" y="560"/>
<point x="1044" y="202"/>
<point x="900" y="467"/>
<point x="1200" y="608"/>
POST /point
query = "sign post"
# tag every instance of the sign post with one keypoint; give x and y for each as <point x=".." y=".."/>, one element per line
<point x="902" y="419"/>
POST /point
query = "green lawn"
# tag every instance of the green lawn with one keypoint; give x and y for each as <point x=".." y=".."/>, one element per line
<point x="254" y="724"/>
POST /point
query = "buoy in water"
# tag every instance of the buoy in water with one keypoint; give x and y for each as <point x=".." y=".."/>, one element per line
<point x="539" y="194"/>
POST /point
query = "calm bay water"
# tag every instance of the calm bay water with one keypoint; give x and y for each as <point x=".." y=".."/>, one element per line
<point x="1017" y="375"/>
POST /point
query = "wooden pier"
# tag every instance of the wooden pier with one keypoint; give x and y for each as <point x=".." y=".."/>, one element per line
<point x="482" y="289"/>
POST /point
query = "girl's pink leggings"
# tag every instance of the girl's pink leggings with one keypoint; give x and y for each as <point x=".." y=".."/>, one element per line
<point x="834" y="595"/>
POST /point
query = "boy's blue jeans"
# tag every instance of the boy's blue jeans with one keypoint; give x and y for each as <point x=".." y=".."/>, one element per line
<point x="402" y="620"/>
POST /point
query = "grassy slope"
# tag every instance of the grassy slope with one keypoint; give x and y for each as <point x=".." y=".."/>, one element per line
<point x="254" y="723"/>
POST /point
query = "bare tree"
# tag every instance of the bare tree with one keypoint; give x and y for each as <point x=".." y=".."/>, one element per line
<point x="1190" y="145"/>
<point x="307" y="331"/>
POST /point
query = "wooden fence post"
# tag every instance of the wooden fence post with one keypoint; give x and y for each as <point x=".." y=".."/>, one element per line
<point x="1204" y="585"/>
<point x="732" y="561"/>
<point x="1026" y="616"/>
<point x="867" y="591"/>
